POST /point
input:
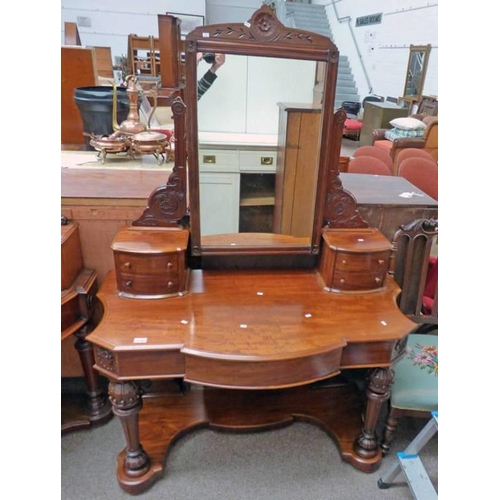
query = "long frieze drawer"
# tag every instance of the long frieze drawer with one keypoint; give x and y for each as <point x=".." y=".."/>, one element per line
<point x="137" y="286"/>
<point x="218" y="160"/>
<point x="369" y="262"/>
<point x="358" y="281"/>
<point x="258" y="161"/>
<point x="150" y="264"/>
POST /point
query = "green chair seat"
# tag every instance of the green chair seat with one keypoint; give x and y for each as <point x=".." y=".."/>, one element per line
<point x="415" y="386"/>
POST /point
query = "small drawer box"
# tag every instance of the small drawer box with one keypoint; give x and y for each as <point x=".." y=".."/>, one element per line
<point x="354" y="260"/>
<point x="151" y="262"/>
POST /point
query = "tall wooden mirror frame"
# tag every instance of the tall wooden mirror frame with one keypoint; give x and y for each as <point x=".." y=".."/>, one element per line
<point x="416" y="52"/>
<point x="263" y="35"/>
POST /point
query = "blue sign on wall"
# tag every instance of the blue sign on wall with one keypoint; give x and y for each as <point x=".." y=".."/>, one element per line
<point x="367" y="20"/>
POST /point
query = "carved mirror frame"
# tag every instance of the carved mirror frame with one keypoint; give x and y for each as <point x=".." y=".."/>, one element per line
<point x="263" y="35"/>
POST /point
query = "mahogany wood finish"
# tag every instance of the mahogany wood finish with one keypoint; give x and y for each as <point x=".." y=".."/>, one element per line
<point x="234" y="411"/>
<point x="71" y="34"/>
<point x="151" y="262"/>
<point x="263" y="35"/>
<point x="78" y="69"/>
<point x="252" y="330"/>
<point x="169" y="40"/>
<point x="261" y="342"/>
<point x="79" y="287"/>
<point x="354" y="260"/>
<point x="386" y="202"/>
<point x="412" y="245"/>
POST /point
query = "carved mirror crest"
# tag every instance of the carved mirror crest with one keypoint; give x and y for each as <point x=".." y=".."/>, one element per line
<point x="263" y="36"/>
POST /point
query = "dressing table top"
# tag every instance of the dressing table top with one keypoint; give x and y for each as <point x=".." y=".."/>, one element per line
<point x="248" y="329"/>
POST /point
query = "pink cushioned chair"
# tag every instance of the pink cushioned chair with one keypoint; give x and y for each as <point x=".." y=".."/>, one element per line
<point x="368" y="165"/>
<point x="421" y="173"/>
<point x="412" y="153"/>
<point x="374" y="152"/>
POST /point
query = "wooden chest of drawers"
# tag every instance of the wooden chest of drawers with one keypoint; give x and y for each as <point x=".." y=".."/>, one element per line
<point x="354" y="260"/>
<point x="151" y="262"/>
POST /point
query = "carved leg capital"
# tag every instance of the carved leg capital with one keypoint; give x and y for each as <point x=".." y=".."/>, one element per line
<point x="379" y="383"/>
<point x="127" y="402"/>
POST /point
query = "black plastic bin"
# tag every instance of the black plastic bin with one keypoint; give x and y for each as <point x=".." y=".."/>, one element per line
<point x="351" y="107"/>
<point x="96" y="109"/>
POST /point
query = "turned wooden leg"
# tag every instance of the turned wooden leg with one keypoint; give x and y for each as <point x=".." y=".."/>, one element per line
<point x="379" y="383"/>
<point x="97" y="405"/>
<point x="127" y="402"/>
<point x="390" y="426"/>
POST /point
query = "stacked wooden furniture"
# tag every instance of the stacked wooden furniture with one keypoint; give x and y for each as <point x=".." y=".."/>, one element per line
<point x="78" y="314"/>
<point x="78" y="69"/>
<point x="257" y="320"/>
<point x="143" y="55"/>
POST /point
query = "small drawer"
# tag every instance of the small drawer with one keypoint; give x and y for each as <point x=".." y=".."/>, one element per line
<point x="369" y="262"/>
<point x="358" y="281"/>
<point x="134" y="285"/>
<point x="258" y="161"/>
<point x="218" y="160"/>
<point x="149" y="264"/>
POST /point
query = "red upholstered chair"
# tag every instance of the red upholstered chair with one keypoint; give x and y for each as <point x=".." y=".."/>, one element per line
<point x="375" y="153"/>
<point x="411" y="153"/>
<point x="368" y="165"/>
<point x="421" y="173"/>
<point x="429" y="298"/>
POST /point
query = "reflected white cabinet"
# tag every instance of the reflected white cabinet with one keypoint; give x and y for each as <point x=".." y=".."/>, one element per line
<point x="219" y="199"/>
<point x="236" y="189"/>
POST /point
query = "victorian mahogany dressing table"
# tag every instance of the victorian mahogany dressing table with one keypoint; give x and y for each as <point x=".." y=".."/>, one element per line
<point x="259" y="321"/>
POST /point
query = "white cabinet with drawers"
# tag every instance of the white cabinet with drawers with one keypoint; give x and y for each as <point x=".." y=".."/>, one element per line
<point x="236" y="188"/>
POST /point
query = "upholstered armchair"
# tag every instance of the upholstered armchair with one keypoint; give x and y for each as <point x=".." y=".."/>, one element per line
<point x="428" y="142"/>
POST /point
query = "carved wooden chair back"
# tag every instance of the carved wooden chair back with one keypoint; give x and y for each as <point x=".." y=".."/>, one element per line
<point x="415" y="270"/>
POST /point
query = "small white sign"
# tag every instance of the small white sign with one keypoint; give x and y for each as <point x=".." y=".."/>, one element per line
<point x="140" y="340"/>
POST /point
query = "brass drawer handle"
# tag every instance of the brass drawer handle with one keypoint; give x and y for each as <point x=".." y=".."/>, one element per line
<point x="128" y="283"/>
<point x="342" y="281"/>
<point x="378" y="280"/>
<point x="170" y="265"/>
<point x="344" y="261"/>
<point x="170" y="284"/>
<point x="209" y="159"/>
<point x="128" y="265"/>
<point x="266" y="160"/>
<point x="381" y="261"/>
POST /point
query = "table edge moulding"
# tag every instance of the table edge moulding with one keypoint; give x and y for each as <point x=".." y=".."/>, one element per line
<point x="262" y="324"/>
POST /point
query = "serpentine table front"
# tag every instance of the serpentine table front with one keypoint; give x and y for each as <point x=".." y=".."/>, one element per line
<point x="258" y="343"/>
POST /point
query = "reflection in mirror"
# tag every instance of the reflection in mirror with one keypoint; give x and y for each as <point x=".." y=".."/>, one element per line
<point x="415" y="73"/>
<point x="274" y="61"/>
<point x="238" y="128"/>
